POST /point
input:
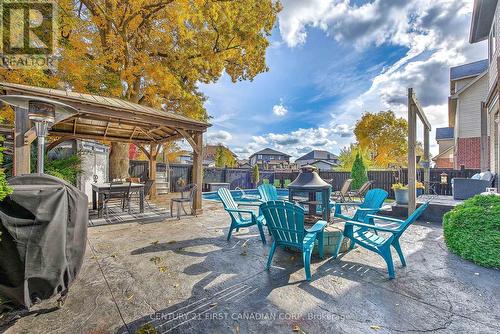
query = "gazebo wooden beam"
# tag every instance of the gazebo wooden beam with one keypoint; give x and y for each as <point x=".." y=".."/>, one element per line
<point x="197" y="177"/>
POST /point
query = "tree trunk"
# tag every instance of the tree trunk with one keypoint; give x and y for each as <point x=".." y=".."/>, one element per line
<point x="118" y="161"/>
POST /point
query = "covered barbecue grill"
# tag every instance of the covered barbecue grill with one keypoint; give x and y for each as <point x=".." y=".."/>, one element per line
<point x="43" y="226"/>
<point x="311" y="190"/>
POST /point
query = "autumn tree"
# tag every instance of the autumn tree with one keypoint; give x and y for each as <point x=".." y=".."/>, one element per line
<point x="155" y="52"/>
<point x="385" y="136"/>
<point x="348" y="154"/>
<point x="224" y="157"/>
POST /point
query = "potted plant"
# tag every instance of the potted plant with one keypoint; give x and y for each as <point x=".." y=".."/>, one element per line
<point x="401" y="193"/>
<point x="181" y="183"/>
<point x="420" y="188"/>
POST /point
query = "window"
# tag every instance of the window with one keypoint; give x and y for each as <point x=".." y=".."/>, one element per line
<point x="259" y="156"/>
<point x="492" y="43"/>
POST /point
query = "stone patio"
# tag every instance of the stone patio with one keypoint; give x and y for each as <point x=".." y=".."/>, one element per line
<point x="182" y="276"/>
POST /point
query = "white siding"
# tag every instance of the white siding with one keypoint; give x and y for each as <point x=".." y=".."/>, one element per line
<point x="459" y="84"/>
<point x="469" y="109"/>
<point x="493" y="61"/>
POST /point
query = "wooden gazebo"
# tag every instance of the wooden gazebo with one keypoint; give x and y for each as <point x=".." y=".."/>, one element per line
<point x="110" y="119"/>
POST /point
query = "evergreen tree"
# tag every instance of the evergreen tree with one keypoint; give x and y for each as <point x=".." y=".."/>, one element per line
<point x="255" y="175"/>
<point x="358" y="172"/>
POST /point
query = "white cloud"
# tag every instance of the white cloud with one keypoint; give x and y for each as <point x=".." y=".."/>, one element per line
<point x="260" y="140"/>
<point x="280" y="109"/>
<point x="219" y="136"/>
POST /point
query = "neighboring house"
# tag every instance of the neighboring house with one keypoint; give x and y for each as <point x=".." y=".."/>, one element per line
<point x="185" y="157"/>
<point x="323" y="165"/>
<point x="318" y="155"/>
<point x="209" y="154"/>
<point x="244" y="163"/>
<point x="486" y="25"/>
<point x="468" y="88"/>
<point x="270" y="159"/>
<point x="446" y="141"/>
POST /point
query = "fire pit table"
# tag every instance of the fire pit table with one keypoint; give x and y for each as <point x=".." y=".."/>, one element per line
<point x="310" y="190"/>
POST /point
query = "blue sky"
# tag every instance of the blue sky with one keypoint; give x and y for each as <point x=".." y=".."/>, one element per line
<point x="331" y="60"/>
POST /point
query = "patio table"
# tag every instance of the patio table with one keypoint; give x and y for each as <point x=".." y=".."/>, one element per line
<point x="100" y="189"/>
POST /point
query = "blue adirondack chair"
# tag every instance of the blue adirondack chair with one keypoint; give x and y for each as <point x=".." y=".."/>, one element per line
<point x="360" y="233"/>
<point x="371" y="204"/>
<point x="240" y="217"/>
<point x="285" y="220"/>
<point x="267" y="192"/>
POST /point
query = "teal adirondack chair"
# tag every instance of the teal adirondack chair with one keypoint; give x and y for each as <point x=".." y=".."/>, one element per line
<point x="267" y="192"/>
<point x="238" y="219"/>
<point x="359" y="233"/>
<point x="371" y="204"/>
<point x="285" y="220"/>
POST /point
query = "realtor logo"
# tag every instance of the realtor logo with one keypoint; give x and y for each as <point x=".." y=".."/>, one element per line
<point x="28" y="33"/>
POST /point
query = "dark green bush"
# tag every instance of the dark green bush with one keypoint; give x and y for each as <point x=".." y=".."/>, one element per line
<point x="66" y="168"/>
<point x="472" y="230"/>
<point x="358" y="172"/>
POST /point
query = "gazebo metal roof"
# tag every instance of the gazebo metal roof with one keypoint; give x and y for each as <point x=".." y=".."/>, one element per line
<point x="112" y="119"/>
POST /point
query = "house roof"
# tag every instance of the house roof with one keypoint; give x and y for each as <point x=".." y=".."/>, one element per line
<point x="469" y="70"/>
<point x="451" y="148"/>
<point x="318" y="155"/>
<point x="325" y="162"/>
<point x="444" y="133"/>
<point x="270" y="151"/>
<point x="482" y="19"/>
<point x="471" y="83"/>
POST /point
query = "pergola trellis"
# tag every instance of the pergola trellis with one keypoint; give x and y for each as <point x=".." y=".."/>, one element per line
<point x="110" y="119"/>
<point x="414" y="110"/>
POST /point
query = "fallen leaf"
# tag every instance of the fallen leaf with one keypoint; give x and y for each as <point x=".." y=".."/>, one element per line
<point x="171" y="242"/>
<point x="295" y="328"/>
<point x="155" y="242"/>
<point x="176" y="285"/>
<point x="375" y="327"/>
<point x="130" y="297"/>
<point x="213" y="304"/>
<point x="155" y="259"/>
<point x="162" y="269"/>
<point x="244" y="253"/>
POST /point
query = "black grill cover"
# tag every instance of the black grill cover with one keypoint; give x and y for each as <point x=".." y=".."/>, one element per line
<point x="43" y="237"/>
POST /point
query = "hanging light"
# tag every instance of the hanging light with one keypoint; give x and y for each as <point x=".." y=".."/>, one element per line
<point x="444" y="178"/>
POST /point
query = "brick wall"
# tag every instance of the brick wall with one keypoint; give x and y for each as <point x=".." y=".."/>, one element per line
<point x="444" y="163"/>
<point x="468" y="153"/>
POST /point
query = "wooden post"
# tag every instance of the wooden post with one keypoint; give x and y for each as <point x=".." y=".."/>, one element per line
<point x="21" y="148"/>
<point x="197" y="170"/>
<point x="427" y="158"/>
<point x="152" y="169"/>
<point x="484" y="138"/>
<point x="412" y="154"/>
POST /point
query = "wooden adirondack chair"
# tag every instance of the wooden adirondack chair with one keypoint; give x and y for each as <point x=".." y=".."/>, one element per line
<point x="285" y="220"/>
<point x="360" y="193"/>
<point x="237" y="215"/>
<point x="267" y="192"/>
<point x="372" y="203"/>
<point x="359" y="233"/>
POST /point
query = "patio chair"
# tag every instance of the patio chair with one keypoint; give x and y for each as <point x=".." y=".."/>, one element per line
<point x="343" y="194"/>
<point x="267" y="192"/>
<point x="371" y="204"/>
<point x="237" y="215"/>
<point x="114" y="193"/>
<point x="286" y="222"/>
<point x="359" y="233"/>
<point x="360" y="193"/>
<point x="187" y="196"/>
<point x="147" y="189"/>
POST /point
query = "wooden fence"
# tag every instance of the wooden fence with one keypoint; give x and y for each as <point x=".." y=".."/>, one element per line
<point x="241" y="177"/>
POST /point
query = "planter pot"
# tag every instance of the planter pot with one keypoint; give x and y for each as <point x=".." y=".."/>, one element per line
<point x="401" y="196"/>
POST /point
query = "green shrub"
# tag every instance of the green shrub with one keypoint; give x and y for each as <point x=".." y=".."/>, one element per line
<point x="472" y="230"/>
<point x="65" y="168"/>
<point x="255" y="175"/>
<point x="5" y="190"/>
<point x="358" y="172"/>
